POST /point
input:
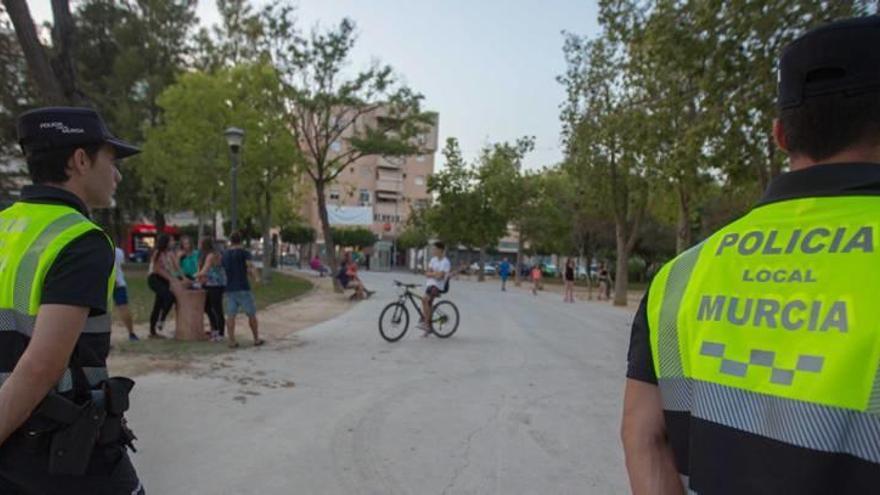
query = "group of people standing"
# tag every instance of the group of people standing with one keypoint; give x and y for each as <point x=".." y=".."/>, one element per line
<point x="183" y="267"/>
<point x="569" y="275"/>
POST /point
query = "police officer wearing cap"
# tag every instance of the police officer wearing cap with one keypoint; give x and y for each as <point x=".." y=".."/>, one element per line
<point x="62" y="429"/>
<point x="754" y="361"/>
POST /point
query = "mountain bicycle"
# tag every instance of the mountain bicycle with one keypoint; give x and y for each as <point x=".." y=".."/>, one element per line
<point x="394" y="319"/>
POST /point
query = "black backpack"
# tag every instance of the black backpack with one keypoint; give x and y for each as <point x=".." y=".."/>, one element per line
<point x="446" y="286"/>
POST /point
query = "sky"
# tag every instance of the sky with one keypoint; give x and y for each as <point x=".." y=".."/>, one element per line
<point x="488" y="67"/>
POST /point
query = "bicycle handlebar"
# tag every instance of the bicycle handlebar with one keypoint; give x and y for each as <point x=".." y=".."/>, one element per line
<point x="408" y="286"/>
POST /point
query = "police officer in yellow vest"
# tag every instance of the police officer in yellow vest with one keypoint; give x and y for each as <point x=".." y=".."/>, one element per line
<point x="62" y="429"/>
<point x="754" y="362"/>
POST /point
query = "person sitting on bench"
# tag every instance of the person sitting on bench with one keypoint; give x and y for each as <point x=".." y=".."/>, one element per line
<point x="349" y="279"/>
<point x="319" y="267"/>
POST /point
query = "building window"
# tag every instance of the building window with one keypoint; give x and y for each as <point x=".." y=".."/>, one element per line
<point x="336" y="146"/>
<point x="420" y="180"/>
<point x="421" y="158"/>
<point x="364" y="198"/>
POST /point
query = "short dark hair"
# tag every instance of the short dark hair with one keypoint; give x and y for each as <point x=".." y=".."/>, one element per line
<point x="439" y="245"/>
<point x="50" y="166"/>
<point x="235" y="238"/>
<point x="823" y="126"/>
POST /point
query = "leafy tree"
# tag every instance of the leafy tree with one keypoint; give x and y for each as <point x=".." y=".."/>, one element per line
<point x="603" y="143"/>
<point x="464" y="213"/>
<point x="239" y="38"/>
<point x="338" y="119"/>
<point x="357" y="237"/>
<point x="507" y="187"/>
<point x="127" y="54"/>
<point x="51" y="71"/>
<point x="298" y="234"/>
<point x="190" y="147"/>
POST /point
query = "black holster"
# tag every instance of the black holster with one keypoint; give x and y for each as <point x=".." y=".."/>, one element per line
<point x="99" y="421"/>
<point x="71" y="447"/>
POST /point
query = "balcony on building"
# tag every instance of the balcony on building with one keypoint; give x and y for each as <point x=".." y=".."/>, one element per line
<point x="387" y="197"/>
<point x="391" y="162"/>
<point x="389" y="181"/>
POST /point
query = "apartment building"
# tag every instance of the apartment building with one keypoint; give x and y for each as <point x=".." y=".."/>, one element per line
<point x="377" y="192"/>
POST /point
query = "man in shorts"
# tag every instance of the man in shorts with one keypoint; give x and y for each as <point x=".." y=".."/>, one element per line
<point x="237" y="263"/>
<point x="120" y="297"/>
<point x="438" y="271"/>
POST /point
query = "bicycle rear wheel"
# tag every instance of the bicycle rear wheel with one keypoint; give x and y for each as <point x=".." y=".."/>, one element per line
<point x="393" y="322"/>
<point x="444" y="319"/>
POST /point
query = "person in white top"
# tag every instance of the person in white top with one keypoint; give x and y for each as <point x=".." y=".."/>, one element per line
<point x="120" y="296"/>
<point x="437" y="274"/>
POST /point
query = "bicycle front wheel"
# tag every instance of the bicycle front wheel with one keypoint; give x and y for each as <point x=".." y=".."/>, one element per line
<point x="393" y="322"/>
<point x="444" y="319"/>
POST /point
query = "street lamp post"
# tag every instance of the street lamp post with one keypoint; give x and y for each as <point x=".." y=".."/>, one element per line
<point x="234" y="137"/>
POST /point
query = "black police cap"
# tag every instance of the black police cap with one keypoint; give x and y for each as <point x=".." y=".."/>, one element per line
<point x="51" y="128"/>
<point x="840" y="57"/>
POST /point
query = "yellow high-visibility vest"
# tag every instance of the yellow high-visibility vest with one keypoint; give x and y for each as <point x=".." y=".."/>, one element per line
<point x="772" y="325"/>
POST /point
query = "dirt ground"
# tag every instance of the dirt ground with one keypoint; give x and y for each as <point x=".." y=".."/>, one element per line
<point x="278" y="325"/>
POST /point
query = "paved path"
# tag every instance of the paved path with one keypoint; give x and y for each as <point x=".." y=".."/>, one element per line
<point x="524" y="399"/>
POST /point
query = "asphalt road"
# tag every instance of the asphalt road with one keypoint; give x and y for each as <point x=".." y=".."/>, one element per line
<point x="524" y="399"/>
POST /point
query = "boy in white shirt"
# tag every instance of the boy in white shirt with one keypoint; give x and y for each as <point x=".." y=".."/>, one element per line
<point x="438" y="272"/>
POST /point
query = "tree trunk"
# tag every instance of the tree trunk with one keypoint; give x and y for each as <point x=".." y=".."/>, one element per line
<point x="517" y="280"/>
<point x="482" y="275"/>
<point x="621" y="280"/>
<point x="34" y="52"/>
<point x="201" y="229"/>
<point x="159" y="221"/>
<point x="589" y="255"/>
<point x="626" y="242"/>
<point x="64" y="39"/>
<point x="268" y="247"/>
<point x="683" y="238"/>
<point x="328" y="237"/>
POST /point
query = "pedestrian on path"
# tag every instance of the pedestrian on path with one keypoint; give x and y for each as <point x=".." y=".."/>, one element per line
<point x="504" y="273"/>
<point x="536" y="279"/>
<point x="120" y="296"/>
<point x="569" y="280"/>
<point x="237" y="264"/>
<point x="604" y="283"/>
<point x="212" y="276"/>
<point x="742" y="376"/>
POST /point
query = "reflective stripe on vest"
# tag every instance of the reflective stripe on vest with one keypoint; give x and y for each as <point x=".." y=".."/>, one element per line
<point x="94" y="375"/>
<point x="31" y="238"/>
<point x="772" y="326"/>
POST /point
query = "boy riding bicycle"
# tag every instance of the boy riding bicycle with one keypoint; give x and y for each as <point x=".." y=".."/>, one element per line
<point x="437" y="274"/>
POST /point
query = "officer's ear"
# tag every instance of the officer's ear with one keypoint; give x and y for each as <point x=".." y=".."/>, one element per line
<point x="79" y="163"/>
<point x="779" y="135"/>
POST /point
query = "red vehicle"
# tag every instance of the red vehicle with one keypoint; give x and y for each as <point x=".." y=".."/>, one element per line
<point x="141" y="239"/>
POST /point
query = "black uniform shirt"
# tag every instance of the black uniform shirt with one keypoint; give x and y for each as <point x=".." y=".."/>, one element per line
<point x="81" y="272"/>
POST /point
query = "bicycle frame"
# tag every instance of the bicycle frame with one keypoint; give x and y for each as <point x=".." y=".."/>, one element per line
<point x="414" y="299"/>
